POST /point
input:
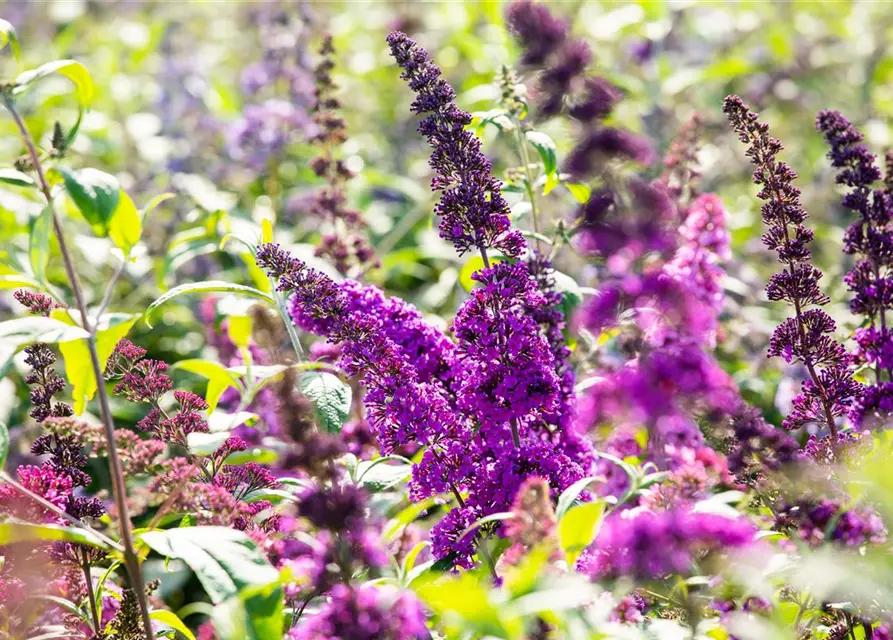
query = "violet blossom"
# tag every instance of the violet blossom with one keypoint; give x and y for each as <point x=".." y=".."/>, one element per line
<point x="805" y="338"/>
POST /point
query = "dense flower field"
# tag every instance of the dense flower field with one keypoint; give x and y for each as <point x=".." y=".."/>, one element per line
<point x="450" y="320"/>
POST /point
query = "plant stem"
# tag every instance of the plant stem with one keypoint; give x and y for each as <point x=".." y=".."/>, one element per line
<point x="289" y="326"/>
<point x="528" y="183"/>
<point x="91" y="596"/>
<point x="115" y="471"/>
<point x="516" y="437"/>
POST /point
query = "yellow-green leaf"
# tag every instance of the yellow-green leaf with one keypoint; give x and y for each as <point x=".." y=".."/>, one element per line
<point x="470" y="268"/>
<point x="8" y="37"/>
<point x="126" y="224"/>
<point x="78" y="364"/>
<point x="16" y="280"/>
<point x="219" y="379"/>
<point x="96" y="194"/>
<point x="266" y="230"/>
<point x="4" y="444"/>
<point x="239" y="330"/>
<point x="172" y="620"/>
<point x="71" y="69"/>
<point x="13" y="532"/>
<point x="578" y="527"/>
<point x="20" y="332"/>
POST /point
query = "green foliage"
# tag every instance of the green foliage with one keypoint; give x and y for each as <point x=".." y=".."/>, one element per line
<point x="330" y="397"/>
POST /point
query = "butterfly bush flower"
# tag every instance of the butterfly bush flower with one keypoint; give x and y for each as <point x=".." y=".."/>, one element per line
<point x="646" y="545"/>
<point x="473" y="214"/>
<point x="805" y="338"/>
<point x="561" y="85"/>
<point x="870" y="239"/>
<point x="365" y="613"/>
<point x="346" y="245"/>
<point x="512" y="370"/>
<point x="705" y="244"/>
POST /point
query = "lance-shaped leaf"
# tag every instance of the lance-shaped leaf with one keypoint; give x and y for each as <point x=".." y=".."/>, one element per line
<point x="19" y="333"/>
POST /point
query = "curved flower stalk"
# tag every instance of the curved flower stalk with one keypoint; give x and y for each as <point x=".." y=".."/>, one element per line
<point x="870" y="238"/>
<point x="807" y="337"/>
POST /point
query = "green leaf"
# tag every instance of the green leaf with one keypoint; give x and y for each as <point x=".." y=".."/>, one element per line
<point x="330" y="398"/>
<point x="71" y="69"/>
<point x="95" y="193"/>
<point x="571" y="296"/>
<point x="266" y="231"/>
<point x="155" y="202"/>
<point x="205" y="287"/>
<point x="465" y="602"/>
<point x="475" y="264"/>
<point x="546" y="148"/>
<point x="580" y="191"/>
<point x="497" y="117"/>
<point x="239" y="330"/>
<point x="569" y="496"/>
<point x="219" y="379"/>
<point x="39" y="244"/>
<point x="126" y="224"/>
<point x="8" y="37"/>
<point x="12" y="532"/>
<point x="17" y="280"/>
<point x="109" y="330"/>
<point x="172" y="620"/>
<point x="256" y="614"/>
<point x="225" y="560"/>
<point x="19" y="179"/>
<point x="377" y="475"/>
<point x="204" y="444"/>
<point x="20" y="332"/>
<point x="578" y="527"/>
<point x="4" y="444"/>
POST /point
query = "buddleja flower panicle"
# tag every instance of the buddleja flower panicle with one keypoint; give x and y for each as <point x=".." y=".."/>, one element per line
<point x="830" y="389"/>
<point x="870" y="237"/>
<point x="473" y="214"/>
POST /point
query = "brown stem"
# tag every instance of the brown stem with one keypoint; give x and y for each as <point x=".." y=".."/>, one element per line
<point x="484" y="256"/>
<point x="119" y="488"/>
<point x="516" y="437"/>
<point x="91" y="596"/>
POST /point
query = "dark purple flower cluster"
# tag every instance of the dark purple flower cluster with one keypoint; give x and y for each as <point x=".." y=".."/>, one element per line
<point x="45" y="383"/>
<point x="346" y="243"/>
<point x="826" y="520"/>
<point x="757" y="445"/>
<point x="561" y="84"/>
<point x="44" y="380"/>
<point x="38" y="304"/>
<point x="365" y="613"/>
<point x="473" y="214"/>
<point x="805" y="338"/>
<point x="870" y="238"/>
<point x="646" y="545"/>
<point x="509" y="371"/>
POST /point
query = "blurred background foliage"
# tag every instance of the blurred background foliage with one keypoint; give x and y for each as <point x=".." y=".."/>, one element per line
<point x="174" y="82"/>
